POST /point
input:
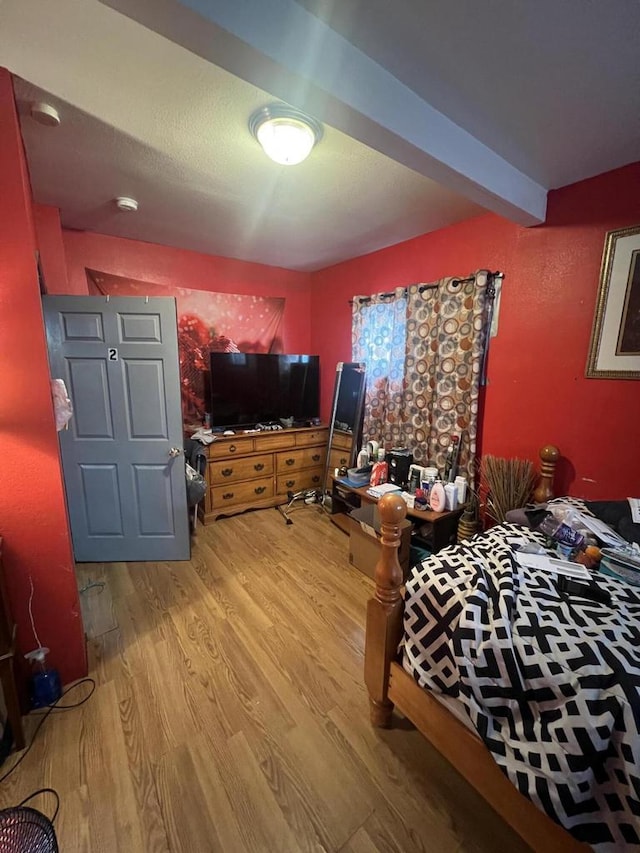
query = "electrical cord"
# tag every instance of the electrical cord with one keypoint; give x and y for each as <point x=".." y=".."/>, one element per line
<point x="53" y="707"/>
<point x="44" y="791"/>
<point x="92" y="585"/>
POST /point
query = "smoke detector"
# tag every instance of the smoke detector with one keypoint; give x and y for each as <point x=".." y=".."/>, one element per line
<point x="127" y="205"/>
<point x="45" y="114"/>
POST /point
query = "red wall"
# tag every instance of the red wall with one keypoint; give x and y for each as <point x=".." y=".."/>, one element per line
<point x="181" y="268"/>
<point x="53" y="263"/>
<point x="33" y="521"/>
<point x="537" y="389"/>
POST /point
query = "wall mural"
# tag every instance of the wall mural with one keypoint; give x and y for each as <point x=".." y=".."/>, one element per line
<point x="207" y="322"/>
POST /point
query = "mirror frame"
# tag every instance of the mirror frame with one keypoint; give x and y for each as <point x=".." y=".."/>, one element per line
<point x="341" y="368"/>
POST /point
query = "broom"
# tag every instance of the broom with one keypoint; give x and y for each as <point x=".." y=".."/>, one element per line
<point x="509" y="483"/>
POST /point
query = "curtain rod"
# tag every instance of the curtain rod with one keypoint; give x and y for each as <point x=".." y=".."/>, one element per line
<point x="423" y="287"/>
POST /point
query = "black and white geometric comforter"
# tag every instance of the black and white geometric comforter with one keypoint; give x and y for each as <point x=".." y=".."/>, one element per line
<point x="551" y="684"/>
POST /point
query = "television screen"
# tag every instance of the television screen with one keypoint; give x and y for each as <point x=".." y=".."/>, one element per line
<point x="252" y="388"/>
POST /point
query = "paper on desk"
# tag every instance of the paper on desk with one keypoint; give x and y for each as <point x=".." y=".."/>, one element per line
<point x="550" y="564"/>
<point x="383" y="489"/>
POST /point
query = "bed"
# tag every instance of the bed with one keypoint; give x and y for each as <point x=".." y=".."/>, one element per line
<point x="523" y="691"/>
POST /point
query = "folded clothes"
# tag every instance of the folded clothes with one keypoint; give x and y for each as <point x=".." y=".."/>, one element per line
<point x="203" y="435"/>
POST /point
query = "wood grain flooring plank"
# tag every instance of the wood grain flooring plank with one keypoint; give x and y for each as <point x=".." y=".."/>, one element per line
<point x="360" y="842"/>
<point x="73" y="821"/>
<point x="259" y="818"/>
<point x="141" y="772"/>
<point x="108" y="657"/>
<point x="412" y="791"/>
<point x="96" y="602"/>
<point x="189" y="824"/>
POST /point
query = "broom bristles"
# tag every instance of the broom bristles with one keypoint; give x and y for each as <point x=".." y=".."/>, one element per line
<point x="510" y="483"/>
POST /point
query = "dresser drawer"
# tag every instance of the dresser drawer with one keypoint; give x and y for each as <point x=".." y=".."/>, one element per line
<point x="244" y="468"/>
<point x="304" y="457"/>
<point x="341" y="440"/>
<point x="276" y="440"/>
<point x="314" y="436"/>
<point x="338" y="458"/>
<point x="310" y="478"/>
<point x="230" y="447"/>
<point x="241" y="493"/>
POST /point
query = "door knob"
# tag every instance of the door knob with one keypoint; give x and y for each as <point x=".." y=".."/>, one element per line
<point x="175" y="451"/>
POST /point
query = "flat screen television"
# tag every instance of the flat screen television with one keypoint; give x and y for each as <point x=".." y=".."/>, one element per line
<point x="252" y="388"/>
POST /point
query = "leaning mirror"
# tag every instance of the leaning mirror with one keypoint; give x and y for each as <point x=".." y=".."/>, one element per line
<point x="345" y="426"/>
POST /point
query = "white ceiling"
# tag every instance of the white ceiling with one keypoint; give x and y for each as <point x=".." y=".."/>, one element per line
<point x="432" y="114"/>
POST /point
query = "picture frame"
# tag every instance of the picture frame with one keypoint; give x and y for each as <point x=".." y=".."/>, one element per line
<point x="614" y="351"/>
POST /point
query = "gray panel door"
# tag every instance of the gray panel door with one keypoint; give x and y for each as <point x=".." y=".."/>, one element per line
<point x="126" y="491"/>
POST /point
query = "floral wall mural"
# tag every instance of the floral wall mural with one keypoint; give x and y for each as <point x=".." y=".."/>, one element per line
<point x="207" y="322"/>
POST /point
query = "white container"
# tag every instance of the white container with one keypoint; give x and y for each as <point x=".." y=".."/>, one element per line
<point x="451" y="496"/>
<point x="461" y="486"/>
<point x="363" y="458"/>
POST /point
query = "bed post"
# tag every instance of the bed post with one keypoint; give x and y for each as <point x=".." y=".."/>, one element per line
<point x="384" y="613"/>
<point x="549" y="456"/>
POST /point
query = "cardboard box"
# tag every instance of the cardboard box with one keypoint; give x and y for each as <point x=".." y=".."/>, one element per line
<point x="364" y="540"/>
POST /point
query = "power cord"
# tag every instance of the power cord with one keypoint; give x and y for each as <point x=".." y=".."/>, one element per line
<point x="43" y="791"/>
<point x="92" y="585"/>
<point x="53" y="707"/>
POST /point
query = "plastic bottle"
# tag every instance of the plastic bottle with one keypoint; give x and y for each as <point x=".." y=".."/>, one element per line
<point x="363" y="458"/>
<point x="437" y="497"/>
<point x="561" y="531"/>
<point x="451" y="496"/>
<point x="44" y="684"/>
<point x="461" y="486"/>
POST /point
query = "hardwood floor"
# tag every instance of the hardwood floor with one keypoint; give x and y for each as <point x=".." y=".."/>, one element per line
<point x="231" y="715"/>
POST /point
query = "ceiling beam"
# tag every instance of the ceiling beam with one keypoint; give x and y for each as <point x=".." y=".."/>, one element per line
<point x="281" y="48"/>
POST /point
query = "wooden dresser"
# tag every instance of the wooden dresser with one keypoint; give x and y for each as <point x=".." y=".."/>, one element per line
<point x="257" y="470"/>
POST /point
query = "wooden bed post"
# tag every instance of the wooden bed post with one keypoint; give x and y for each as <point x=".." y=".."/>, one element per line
<point x="384" y="613"/>
<point x="549" y="456"/>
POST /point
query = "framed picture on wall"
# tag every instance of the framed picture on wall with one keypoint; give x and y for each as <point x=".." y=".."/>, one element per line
<point x="615" y="340"/>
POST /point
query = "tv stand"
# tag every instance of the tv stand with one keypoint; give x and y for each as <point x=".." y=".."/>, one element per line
<point x="259" y="469"/>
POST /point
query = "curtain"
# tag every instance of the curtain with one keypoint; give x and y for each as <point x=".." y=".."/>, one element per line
<point x="445" y="341"/>
<point x="379" y="331"/>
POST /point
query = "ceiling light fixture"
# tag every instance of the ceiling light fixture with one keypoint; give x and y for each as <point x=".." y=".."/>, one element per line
<point x="286" y="134"/>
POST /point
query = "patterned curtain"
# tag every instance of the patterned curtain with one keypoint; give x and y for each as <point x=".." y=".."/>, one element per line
<point x="446" y="330"/>
<point x="379" y="331"/>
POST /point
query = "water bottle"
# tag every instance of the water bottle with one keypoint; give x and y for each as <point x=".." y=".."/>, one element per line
<point x="561" y="532"/>
<point x="44" y="684"/>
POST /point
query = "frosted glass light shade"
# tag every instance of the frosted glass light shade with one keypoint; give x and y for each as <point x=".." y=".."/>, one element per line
<point x="286" y="135"/>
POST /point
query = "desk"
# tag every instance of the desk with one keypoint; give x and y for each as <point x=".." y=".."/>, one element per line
<point x="437" y="528"/>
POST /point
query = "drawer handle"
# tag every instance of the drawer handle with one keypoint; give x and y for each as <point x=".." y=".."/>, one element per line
<point x="232" y="448"/>
<point x="343" y="461"/>
<point x="226" y="472"/>
<point x="315" y="479"/>
<point x="227" y="496"/>
<point x="258" y="467"/>
<point x="316" y="457"/>
<point x="260" y="489"/>
<point x="290" y="483"/>
<point x="289" y="461"/>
